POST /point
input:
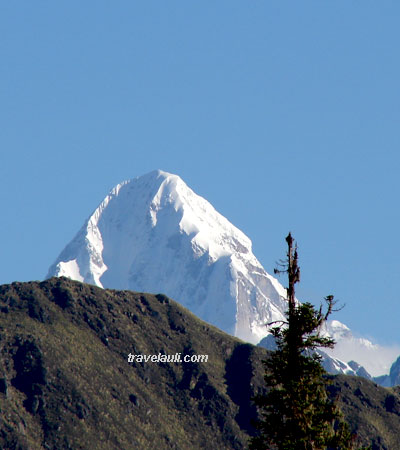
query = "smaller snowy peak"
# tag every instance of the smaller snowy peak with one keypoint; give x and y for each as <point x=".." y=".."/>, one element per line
<point x="336" y="366"/>
<point x="375" y="358"/>
<point x="331" y="364"/>
<point x="337" y="330"/>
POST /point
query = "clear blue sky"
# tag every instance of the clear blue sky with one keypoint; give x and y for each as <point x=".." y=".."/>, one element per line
<point x="284" y="115"/>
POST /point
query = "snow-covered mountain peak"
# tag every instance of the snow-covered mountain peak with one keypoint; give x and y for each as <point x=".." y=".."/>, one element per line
<point x="154" y="234"/>
<point x="337" y="330"/>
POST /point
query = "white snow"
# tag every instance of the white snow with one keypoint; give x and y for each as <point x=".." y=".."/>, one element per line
<point x="69" y="269"/>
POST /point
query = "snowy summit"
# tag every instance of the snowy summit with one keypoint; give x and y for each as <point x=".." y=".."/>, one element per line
<point x="154" y="234"/>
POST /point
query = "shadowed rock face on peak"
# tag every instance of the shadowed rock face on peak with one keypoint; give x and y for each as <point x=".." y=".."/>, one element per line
<point x="154" y="234"/>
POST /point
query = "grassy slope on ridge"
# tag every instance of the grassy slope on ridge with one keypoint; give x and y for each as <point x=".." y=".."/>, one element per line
<point x="65" y="382"/>
<point x="68" y="384"/>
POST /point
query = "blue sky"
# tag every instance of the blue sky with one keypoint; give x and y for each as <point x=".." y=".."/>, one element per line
<point x="284" y="115"/>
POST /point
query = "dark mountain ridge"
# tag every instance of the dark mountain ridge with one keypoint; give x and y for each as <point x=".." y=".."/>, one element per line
<point x="66" y="383"/>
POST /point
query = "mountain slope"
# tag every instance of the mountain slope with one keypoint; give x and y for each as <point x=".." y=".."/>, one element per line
<point x="66" y="383"/>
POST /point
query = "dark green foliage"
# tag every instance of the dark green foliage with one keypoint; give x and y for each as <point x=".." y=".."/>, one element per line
<point x="296" y="411"/>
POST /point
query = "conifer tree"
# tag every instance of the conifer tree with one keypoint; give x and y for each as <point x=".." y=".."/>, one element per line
<point x="296" y="413"/>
